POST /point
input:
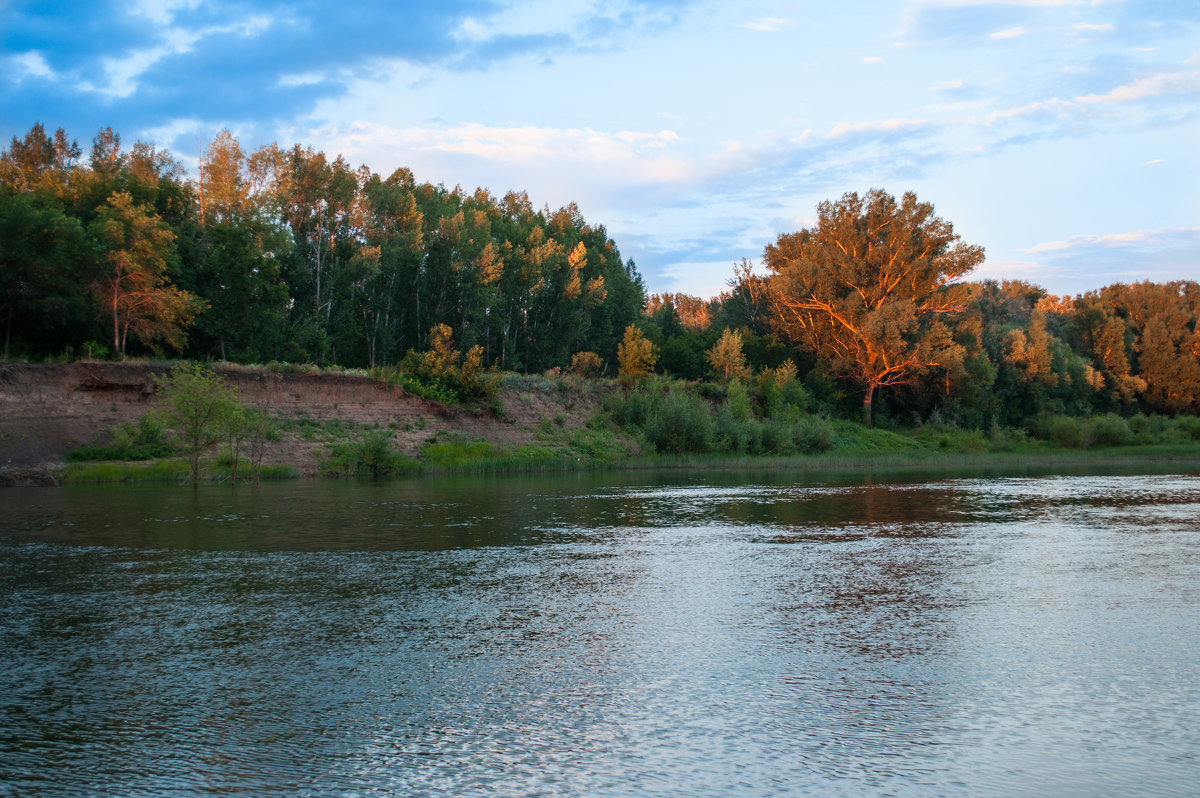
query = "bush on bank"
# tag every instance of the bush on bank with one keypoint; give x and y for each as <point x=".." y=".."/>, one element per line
<point x="766" y="415"/>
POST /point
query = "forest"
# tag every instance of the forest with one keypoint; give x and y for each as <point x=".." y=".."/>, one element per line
<point x="286" y="255"/>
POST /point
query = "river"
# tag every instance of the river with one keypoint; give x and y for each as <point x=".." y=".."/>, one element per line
<point x="644" y="634"/>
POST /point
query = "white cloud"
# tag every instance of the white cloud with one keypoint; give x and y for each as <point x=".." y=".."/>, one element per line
<point x="873" y="59"/>
<point x="1026" y="3"/>
<point x="626" y="155"/>
<point x="706" y="279"/>
<point x="301" y="79"/>
<point x="1165" y="235"/>
<point x="1008" y="33"/>
<point x="1060" y="108"/>
<point x="28" y="64"/>
<point x="1009" y="270"/>
<point x="122" y="73"/>
<point x="1092" y="27"/>
<point x="769" y="24"/>
<point x="1151" y="86"/>
<point x="650" y="139"/>
<point x="884" y="126"/>
<point x="160" y="12"/>
<point x="948" y="85"/>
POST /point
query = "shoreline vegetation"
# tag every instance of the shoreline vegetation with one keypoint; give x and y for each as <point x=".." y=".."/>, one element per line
<point x="580" y="425"/>
<point x="1137" y="458"/>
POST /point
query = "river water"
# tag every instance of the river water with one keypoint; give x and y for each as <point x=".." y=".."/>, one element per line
<point x="635" y="635"/>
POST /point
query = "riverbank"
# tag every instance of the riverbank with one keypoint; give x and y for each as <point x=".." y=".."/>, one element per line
<point x="343" y="423"/>
<point x="49" y="410"/>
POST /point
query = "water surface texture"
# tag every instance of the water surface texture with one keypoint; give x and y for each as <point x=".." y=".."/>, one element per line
<point x="645" y="635"/>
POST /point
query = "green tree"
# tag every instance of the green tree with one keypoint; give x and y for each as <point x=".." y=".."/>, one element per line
<point x="40" y="253"/>
<point x="865" y="286"/>
<point x="198" y="405"/>
<point x="235" y="271"/>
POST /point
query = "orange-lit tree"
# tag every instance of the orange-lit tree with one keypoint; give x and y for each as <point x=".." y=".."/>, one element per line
<point x="133" y="286"/>
<point x="866" y="286"/>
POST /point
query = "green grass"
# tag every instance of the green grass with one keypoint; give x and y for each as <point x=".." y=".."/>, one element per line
<point x="156" y="471"/>
<point x="925" y="460"/>
<point x="479" y="455"/>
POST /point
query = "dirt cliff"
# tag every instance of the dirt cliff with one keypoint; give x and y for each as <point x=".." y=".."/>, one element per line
<point x="48" y="409"/>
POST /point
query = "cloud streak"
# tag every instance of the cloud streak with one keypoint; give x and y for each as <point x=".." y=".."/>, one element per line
<point x="1162" y="237"/>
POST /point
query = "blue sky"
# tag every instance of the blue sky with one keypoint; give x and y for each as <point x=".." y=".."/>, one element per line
<point x="1061" y="135"/>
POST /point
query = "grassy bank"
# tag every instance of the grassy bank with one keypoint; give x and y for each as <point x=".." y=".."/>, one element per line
<point x="480" y="459"/>
<point x="547" y="425"/>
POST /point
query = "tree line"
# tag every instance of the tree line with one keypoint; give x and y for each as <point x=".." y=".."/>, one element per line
<point x="870" y="302"/>
<point x="288" y="255"/>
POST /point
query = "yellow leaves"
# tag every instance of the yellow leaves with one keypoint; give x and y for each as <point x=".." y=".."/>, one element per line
<point x="472" y="362"/>
<point x="572" y="289"/>
<point x="224" y="183"/>
<point x="576" y="260"/>
<point x="585" y="364"/>
<point x="727" y="358"/>
<point x="1092" y="378"/>
<point x="442" y="357"/>
<point x="783" y="374"/>
<point x="369" y="254"/>
<point x="1029" y="351"/>
<point x="491" y="265"/>
<point x="635" y="356"/>
<point x="596" y="291"/>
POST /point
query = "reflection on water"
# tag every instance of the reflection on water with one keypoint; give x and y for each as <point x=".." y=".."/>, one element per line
<point x="582" y="635"/>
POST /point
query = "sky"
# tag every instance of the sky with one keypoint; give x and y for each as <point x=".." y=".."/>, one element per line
<point x="1063" y="136"/>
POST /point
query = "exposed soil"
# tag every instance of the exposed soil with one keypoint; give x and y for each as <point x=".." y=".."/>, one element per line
<point x="46" y="410"/>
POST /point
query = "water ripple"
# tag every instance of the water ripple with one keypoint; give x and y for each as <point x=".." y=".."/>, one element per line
<point x="514" y="638"/>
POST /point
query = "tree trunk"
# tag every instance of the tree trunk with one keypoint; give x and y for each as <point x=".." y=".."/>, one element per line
<point x="116" y="331"/>
<point x="867" y="403"/>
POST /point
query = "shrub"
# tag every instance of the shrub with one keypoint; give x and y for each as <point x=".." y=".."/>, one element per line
<point x="1007" y="439"/>
<point x="737" y="398"/>
<point x="1150" y="429"/>
<point x="775" y="437"/>
<point x="586" y="364"/>
<point x="196" y="403"/>
<point x="373" y="455"/>
<point x="146" y="440"/>
<point x="1106" y="430"/>
<point x="633" y="410"/>
<point x="730" y="435"/>
<point x="443" y="374"/>
<point x="1064" y="431"/>
<point x="813" y="434"/>
<point x="1185" y="428"/>
<point x="680" y="424"/>
<point x="781" y="393"/>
